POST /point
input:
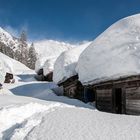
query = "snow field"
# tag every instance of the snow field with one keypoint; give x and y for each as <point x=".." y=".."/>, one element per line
<point x="17" y="120"/>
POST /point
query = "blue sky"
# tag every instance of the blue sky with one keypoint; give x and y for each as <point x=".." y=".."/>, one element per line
<point x="66" y="20"/>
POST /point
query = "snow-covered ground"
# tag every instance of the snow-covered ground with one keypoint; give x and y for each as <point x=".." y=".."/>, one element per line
<point x="29" y="110"/>
<point x="33" y="119"/>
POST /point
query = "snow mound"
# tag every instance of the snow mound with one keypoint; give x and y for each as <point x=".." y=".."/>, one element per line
<point x="63" y="122"/>
<point x="115" y="53"/>
<point x="47" y="49"/>
<point x="12" y="66"/>
<point x="49" y="66"/>
<point x="65" y="65"/>
<point x="16" y="125"/>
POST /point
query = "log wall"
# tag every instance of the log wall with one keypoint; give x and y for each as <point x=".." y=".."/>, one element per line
<point x="104" y="100"/>
<point x="132" y="100"/>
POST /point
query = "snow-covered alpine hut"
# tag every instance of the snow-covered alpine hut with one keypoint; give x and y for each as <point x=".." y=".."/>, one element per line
<point x="44" y="71"/>
<point x="110" y="67"/>
<point x="48" y="51"/>
<point x="65" y="73"/>
<point x="48" y="69"/>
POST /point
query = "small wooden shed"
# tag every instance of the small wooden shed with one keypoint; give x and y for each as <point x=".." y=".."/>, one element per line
<point x="0" y="86"/>
<point x="121" y="96"/>
<point x="9" y="78"/>
<point x="74" y="89"/>
<point x="49" y="77"/>
<point x="41" y="77"/>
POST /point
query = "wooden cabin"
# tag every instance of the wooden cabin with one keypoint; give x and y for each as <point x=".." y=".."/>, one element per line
<point x="40" y="72"/>
<point x="40" y="76"/>
<point x="49" y="77"/>
<point x="74" y="89"/>
<point x="121" y="96"/>
<point x="0" y="86"/>
<point x="9" y="78"/>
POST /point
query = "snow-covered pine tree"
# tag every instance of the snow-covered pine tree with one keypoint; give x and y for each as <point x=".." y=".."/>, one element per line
<point x="6" y="50"/>
<point x="32" y="57"/>
<point x="22" y="52"/>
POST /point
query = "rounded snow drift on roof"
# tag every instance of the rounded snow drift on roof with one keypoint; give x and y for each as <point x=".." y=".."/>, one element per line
<point x="65" y="65"/>
<point x="115" y="53"/>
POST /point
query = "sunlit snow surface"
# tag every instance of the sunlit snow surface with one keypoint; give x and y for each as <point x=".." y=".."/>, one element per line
<point x="115" y="53"/>
<point x="29" y="110"/>
<point x="48" y="50"/>
<point x="66" y="63"/>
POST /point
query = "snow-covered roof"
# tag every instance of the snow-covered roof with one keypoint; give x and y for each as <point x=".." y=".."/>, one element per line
<point x="12" y="66"/>
<point x="65" y="65"/>
<point x="47" y="49"/>
<point x="49" y="66"/>
<point x="115" y="53"/>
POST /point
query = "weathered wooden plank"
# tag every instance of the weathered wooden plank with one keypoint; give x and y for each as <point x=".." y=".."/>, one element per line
<point x="104" y="94"/>
<point x="133" y="90"/>
<point x="104" y="91"/>
<point x="132" y="112"/>
<point x="104" y="100"/>
<point x="104" y="103"/>
<point x="132" y="101"/>
<point x="104" y="108"/>
<point x="133" y="107"/>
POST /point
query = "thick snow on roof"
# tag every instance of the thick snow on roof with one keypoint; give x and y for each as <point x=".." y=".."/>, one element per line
<point x="48" y="49"/>
<point x="49" y="65"/>
<point x="65" y="65"/>
<point x="11" y="65"/>
<point x="115" y="53"/>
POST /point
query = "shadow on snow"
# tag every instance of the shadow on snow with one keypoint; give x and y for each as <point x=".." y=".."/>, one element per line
<point x="44" y="91"/>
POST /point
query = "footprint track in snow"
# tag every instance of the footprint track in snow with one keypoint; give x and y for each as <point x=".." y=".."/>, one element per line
<point x="17" y="124"/>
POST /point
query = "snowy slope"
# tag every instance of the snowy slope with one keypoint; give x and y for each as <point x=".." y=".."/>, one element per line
<point x="65" y="65"/>
<point x="2" y="72"/>
<point x="8" y="39"/>
<point x="13" y="66"/>
<point x="115" y="53"/>
<point x="48" y="49"/>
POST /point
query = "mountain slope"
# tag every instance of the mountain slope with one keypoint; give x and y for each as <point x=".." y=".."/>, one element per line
<point x="49" y="49"/>
<point x="17" y="48"/>
<point x="8" y="39"/>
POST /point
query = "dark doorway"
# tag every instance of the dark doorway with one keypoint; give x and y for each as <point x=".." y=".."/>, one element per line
<point x="89" y="95"/>
<point x="118" y="100"/>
